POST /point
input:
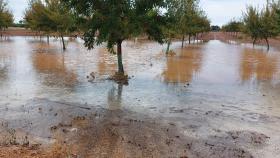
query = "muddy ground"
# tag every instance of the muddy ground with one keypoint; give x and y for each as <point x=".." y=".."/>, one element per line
<point x="43" y="128"/>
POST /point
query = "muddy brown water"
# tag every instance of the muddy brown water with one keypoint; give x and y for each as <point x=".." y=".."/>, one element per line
<point x="214" y="92"/>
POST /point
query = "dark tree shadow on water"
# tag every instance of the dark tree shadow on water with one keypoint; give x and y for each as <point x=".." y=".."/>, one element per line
<point x="115" y="97"/>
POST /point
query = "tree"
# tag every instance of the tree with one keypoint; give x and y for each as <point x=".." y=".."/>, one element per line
<point x="269" y="26"/>
<point x="50" y="16"/>
<point x="252" y="23"/>
<point x="36" y="17"/>
<point x="201" y="24"/>
<point x="170" y="29"/>
<point x="276" y="7"/>
<point x="114" y="21"/>
<point x="61" y="19"/>
<point x="191" y="16"/>
<point x="262" y="24"/>
<point x="6" y="17"/>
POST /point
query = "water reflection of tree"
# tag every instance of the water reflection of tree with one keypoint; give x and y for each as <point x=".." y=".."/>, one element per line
<point x="3" y="72"/>
<point x="181" y="68"/>
<point x="5" y="64"/>
<point x="115" y="97"/>
<point x="52" y="65"/>
<point x="258" y="64"/>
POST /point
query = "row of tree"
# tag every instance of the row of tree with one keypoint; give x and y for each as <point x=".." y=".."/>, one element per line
<point x="6" y="17"/>
<point x="263" y="24"/>
<point x="233" y="27"/>
<point x="259" y="24"/>
<point x="186" y="18"/>
<point x="114" y="21"/>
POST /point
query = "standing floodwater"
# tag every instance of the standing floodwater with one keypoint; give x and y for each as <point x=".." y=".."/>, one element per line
<point x="215" y="92"/>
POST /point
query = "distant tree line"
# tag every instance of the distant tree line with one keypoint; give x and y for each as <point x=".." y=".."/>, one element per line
<point x="233" y="27"/>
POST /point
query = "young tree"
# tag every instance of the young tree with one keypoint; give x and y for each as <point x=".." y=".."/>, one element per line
<point x="252" y="23"/>
<point x="61" y="19"/>
<point x="50" y="16"/>
<point x="191" y="16"/>
<point x="115" y="21"/>
<point x="6" y="17"/>
<point x="36" y="17"/>
<point x="261" y="25"/>
<point x="201" y="24"/>
<point x="269" y="27"/>
<point x="170" y="30"/>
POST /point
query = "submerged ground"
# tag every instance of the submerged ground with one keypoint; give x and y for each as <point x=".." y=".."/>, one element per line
<point x="212" y="99"/>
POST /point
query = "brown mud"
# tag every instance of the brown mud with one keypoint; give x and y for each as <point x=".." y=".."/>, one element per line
<point x="69" y="130"/>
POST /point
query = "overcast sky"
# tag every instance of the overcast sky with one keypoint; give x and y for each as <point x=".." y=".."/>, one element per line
<point x="219" y="11"/>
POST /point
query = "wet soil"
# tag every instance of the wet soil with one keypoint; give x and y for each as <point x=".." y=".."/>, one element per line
<point x="70" y="130"/>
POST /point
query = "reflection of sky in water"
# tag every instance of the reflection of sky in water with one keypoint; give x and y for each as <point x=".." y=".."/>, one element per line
<point x="216" y="72"/>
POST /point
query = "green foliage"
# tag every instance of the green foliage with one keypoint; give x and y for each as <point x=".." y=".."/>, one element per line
<point x="36" y="16"/>
<point x="50" y="16"/>
<point x="192" y="20"/>
<point x="114" y="21"/>
<point x="6" y="17"/>
<point x="261" y="24"/>
<point x="233" y="26"/>
<point x="60" y="18"/>
<point x="268" y="23"/>
<point x="252" y="22"/>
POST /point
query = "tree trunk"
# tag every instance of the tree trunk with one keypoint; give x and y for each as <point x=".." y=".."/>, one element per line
<point x="119" y="54"/>
<point x="267" y="43"/>
<point x="168" y="46"/>
<point x="183" y="41"/>
<point x="48" y="39"/>
<point x="1" y="33"/>
<point x="254" y="42"/>
<point x="189" y="39"/>
<point x="63" y="42"/>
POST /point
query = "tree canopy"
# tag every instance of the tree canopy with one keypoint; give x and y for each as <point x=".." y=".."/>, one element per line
<point x="113" y="21"/>
<point x="50" y="16"/>
<point x="261" y="24"/>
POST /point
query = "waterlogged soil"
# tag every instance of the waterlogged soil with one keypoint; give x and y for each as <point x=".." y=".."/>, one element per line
<point x="211" y="99"/>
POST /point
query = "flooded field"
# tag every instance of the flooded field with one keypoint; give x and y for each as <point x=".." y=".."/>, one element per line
<point x="211" y="99"/>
